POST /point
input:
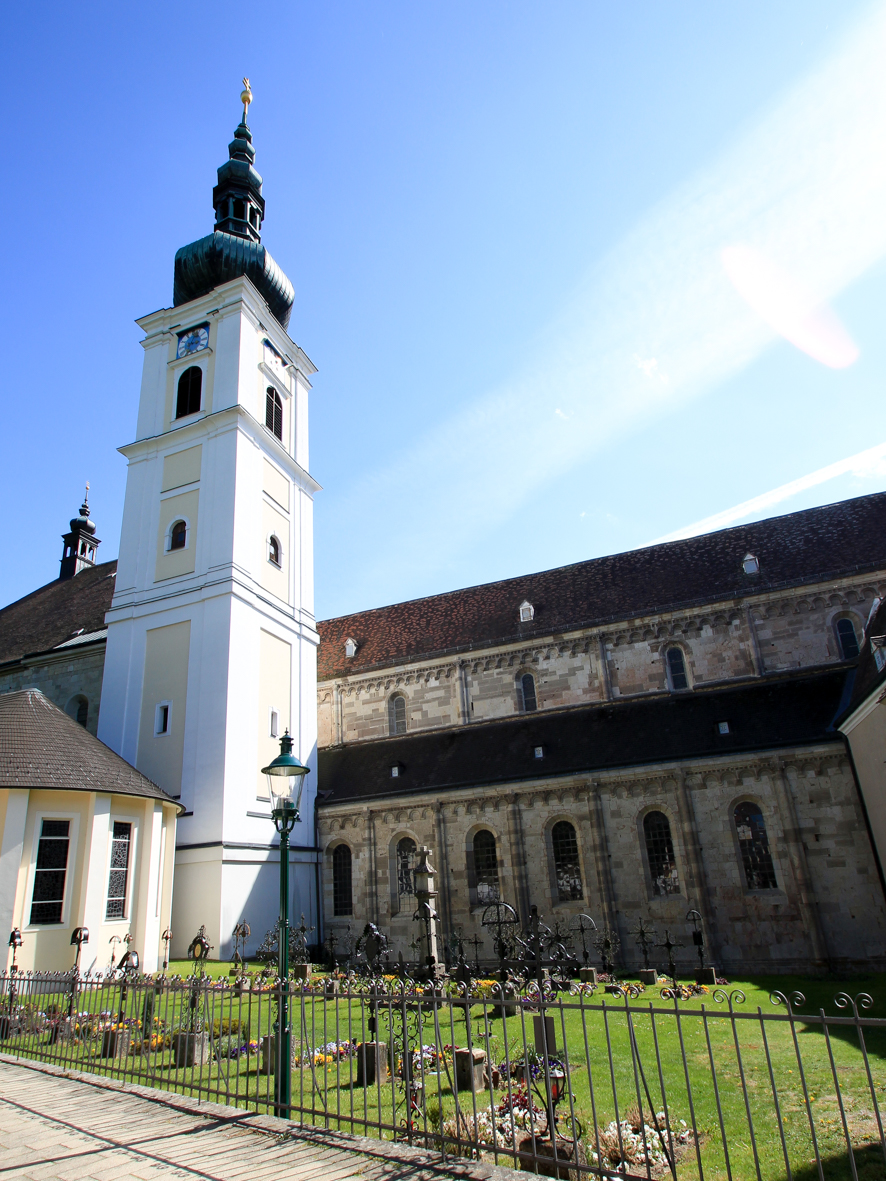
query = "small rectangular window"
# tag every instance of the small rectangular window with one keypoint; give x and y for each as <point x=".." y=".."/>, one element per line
<point x="395" y="771"/>
<point x="879" y="658"/>
<point x="118" y="879"/>
<point x="274" y="727"/>
<point x="162" y="713"/>
<point x="539" y="752"/>
<point x="47" y="901"/>
<point x="722" y="727"/>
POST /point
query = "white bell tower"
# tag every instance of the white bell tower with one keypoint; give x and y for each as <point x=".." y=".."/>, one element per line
<point x="211" y="651"/>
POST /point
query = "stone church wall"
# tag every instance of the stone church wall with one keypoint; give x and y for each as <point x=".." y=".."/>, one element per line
<point x="827" y="908"/>
<point x="773" y="633"/>
<point x="61" y="678"/>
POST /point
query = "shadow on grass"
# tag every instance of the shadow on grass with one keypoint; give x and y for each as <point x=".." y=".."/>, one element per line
<point x="868" y="1164"/>
<point x="821" y="993"/>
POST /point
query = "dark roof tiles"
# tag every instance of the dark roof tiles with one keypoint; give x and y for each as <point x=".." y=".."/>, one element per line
<point x="765" y="715"/>
<point x="798" y="548"/>
<point x="41" y="747"/>
<point x="56" y="612"/>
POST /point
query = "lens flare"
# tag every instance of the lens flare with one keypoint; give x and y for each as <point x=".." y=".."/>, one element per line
<point x="788" y="307"/>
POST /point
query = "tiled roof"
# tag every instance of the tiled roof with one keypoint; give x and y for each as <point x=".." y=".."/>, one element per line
<point x="59" y="611"/>
<point x="41" y="747"/>
<point x="804" y="547"/>
<point x="765" y="715"/>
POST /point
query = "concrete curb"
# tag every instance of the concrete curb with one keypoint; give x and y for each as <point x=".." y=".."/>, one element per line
<point x="271" y="1125"/>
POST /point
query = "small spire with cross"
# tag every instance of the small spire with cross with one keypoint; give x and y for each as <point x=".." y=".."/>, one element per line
<point x="246" y="97"/>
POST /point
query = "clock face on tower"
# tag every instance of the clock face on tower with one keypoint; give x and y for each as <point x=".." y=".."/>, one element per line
<point x="193" y="340"/>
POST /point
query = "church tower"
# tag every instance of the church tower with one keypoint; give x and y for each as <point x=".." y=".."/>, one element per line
<point x="211" y="650"/>
<point x="80" y="544"/>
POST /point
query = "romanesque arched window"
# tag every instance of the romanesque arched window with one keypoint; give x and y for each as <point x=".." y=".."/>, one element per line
<point x="485" y="867"/>
<point x="528" y="699"/>
<point x="274" y="412"/>
<point x="406" y="851"/>
<point x="660" y="853"/>
<point x="342" y="894"/>
<point x="78" y="709"/>
<point x="677" y="678"/>
<point x="847" y="638"/>
<point x="753" y="842"/>
<point x="566" y="867"/>
<point x="190" y="388"/>
<point x="397" y="714"/>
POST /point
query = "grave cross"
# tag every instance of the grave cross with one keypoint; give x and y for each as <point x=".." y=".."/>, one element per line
<point x="670" y="946"/>
<point x="607" y="943"/>
<point x="476" y="943"/>
<point x="697" y="936"/>
<point x="330" y="943"/>
<point x="645" y="939"/>
<point x="501" y="918"/>
<point x="584" y="925"/>
<point x="299" y="942"/>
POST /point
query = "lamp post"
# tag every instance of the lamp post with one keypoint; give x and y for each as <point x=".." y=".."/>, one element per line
<point x="285" y="776"/>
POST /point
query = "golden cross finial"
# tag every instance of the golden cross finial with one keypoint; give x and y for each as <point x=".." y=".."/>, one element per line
<point x="246" y="97"/>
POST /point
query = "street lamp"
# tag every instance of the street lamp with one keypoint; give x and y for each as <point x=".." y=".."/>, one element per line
<point x="284" y="773"/>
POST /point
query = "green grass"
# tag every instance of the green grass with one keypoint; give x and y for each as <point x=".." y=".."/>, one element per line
<point x="603" y="1076"/>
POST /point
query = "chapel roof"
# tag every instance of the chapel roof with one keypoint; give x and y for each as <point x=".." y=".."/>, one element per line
<point x="41" y="747"/>
<point x="60" y="611"/>
<point x="773" y="714"/>
<point x="799" y="548"/>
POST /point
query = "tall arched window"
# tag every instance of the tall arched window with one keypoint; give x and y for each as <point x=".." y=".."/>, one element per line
<point x="406" y="850"/>
<point x="566" y="867"/>
<point x="190" y="388"/>
<point x="848" y="639"/>
<point x="677" y="678"/>
<point x="342" y="896"/>
<point x="660" y="853"/>
<point x="78" y="709"/>
<point x="274" y="412"/>
<point x="397" y="714"/>
<point x="527" y="693"/>
<point x="178" y="535"/>
<point x="485" y="867"/>
<point x="753" y="842"/>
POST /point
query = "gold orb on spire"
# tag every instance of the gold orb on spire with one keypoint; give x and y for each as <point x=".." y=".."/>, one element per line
<point x="246" y="97"/>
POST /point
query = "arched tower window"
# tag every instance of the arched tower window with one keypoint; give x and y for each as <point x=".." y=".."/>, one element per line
<point x="485" y="867"/>
<point x="397" y="714"/>
<point x="847" y="638"/>
<point x="660" y="853"/>
<point x="677" y="678"/>
<point x="406" y="850"/>
<point x="178" y="535"/>
<point x="566" y="867"/>
<point x="190" y="388"/>
<point x="527" y="692"/>
<point x="274" y="551"/>
<point x="342" y="895"/>
<point x="753" y="842"/>
<point x="274" y="413"/>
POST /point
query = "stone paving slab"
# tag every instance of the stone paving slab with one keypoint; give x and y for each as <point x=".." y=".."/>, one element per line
<point x="58" y="1125"/>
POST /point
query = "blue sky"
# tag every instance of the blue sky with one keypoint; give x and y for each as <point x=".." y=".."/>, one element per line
<point x="509" y="229"/>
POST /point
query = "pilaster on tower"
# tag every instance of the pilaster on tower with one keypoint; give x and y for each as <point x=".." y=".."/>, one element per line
<point x="212" y="640"/>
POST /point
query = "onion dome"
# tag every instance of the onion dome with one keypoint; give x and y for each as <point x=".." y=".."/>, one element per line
<point x="234" y="248"/>
<point x="82" y="523"/>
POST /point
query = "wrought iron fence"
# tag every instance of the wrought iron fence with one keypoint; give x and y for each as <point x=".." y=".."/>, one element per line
<point x="562" y="1081"/>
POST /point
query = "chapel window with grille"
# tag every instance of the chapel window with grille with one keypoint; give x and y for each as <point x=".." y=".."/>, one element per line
<point x="118" y="879"/>
<point x="48" y="899"/>
<point x="566" y="866"/>
<point x="753" y="842"/>
<point x="486" y="867"/>
<point x="848" y="639"/>
<point x="397" y="715"/>
<point x="660" y="854"/>
<point x="677" y="669"/>
<point x="406" y="851"/>
<point x="274" y="412"/>
<point x="527" y="693"/>
<point x="342" y="894"/>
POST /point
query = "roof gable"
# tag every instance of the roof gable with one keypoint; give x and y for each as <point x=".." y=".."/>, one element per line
<point x="57" y="612"/>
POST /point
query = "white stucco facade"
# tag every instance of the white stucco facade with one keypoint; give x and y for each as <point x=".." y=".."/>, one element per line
<point x="205" y="636"/>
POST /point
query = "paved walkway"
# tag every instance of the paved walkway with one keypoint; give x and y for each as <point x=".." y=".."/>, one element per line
<point x="54" y="1127"/>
